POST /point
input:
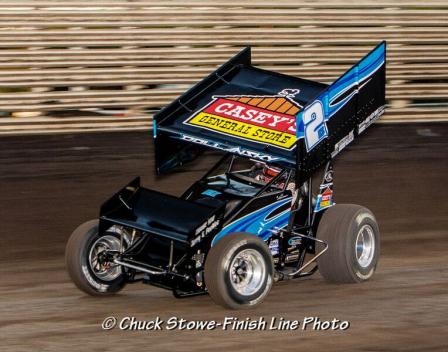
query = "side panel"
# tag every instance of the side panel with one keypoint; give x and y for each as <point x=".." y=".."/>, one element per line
<point x="260" y="217"/>
<point x="342" y="111"/>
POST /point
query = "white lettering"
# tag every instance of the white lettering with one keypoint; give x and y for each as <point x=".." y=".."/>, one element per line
<point x="223" y="107"/>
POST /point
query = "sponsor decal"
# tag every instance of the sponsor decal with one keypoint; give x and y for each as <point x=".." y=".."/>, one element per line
<point x="99" y="286"/>
<point x="328" y="177"/>
<point x="282" y="196"/>
<point x="291" y="258"/>
<point x="274" y="247"/>
<point x="235" y="150"/>
<point x="211" y="193"/>
<point x="203" y="230"/>
<point x="370" y="119"/>
<point x="294" y="241"/>
<point x="324" y="199"/>
<point x="288" y="92"/>
<point x="343" y="143"/>
<point x="263" y="119"/>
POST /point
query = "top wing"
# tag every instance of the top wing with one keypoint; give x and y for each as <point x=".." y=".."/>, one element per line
<point x="269" y="116"/>
<point x="239" y="109"/>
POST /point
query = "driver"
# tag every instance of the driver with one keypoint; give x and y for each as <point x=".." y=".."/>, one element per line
<point x="264" y="173"/>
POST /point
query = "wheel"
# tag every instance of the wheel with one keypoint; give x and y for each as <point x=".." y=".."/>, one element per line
<point x="86" y="264"/>
<point x="353" y="239"/>
<point x="239" y="271"/>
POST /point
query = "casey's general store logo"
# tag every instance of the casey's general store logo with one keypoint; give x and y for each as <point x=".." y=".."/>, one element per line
<point x="264" y="119"/>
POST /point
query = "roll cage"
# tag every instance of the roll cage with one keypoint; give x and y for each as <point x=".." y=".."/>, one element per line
<point x="262" y="188"/>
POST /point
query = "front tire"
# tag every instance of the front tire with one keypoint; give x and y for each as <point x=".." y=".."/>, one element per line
<point x="81" y="258"/>
<point x="239" y="271"/>
<point x="353" y="239"/>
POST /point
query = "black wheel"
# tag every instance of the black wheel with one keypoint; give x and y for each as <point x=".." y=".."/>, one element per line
<point x="239" y="271"/>
<point x="353" y="238"/>
<point x="86" y="264"/>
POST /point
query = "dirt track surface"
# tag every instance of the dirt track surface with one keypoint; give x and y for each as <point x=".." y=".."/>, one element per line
<point x="50" y="184"/>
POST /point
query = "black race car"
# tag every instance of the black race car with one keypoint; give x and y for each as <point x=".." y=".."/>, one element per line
<point x="265" y="212"/>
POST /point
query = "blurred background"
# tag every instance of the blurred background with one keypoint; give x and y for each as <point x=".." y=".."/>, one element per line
<point x="89" y="65"/>
<point x="74" y="66"/>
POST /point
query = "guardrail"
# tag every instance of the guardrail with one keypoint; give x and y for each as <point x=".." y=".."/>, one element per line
<point x="84" y="59"/>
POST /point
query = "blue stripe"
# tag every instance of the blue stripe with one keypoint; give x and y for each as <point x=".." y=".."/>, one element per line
<point x="358" y="73"/>
<point x="154" y="128"/>
<point x="259" y="222"/>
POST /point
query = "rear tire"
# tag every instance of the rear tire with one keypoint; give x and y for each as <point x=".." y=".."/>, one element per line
<point x="239" y="271"/>
<point x="79" y="267"/>
<point x="353" y="239"/>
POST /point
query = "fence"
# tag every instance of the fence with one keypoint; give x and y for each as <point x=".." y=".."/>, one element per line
<point x="69" y="65"/>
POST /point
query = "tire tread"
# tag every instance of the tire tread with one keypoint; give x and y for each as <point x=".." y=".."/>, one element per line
<point x="334" y="228"/>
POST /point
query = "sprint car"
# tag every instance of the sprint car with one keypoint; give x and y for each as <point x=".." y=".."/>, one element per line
<point x="264" y="212"/>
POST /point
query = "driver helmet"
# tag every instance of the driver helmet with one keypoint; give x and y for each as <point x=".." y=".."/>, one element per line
<point x="270" y="171"/>
<point x="267" y="173"/>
